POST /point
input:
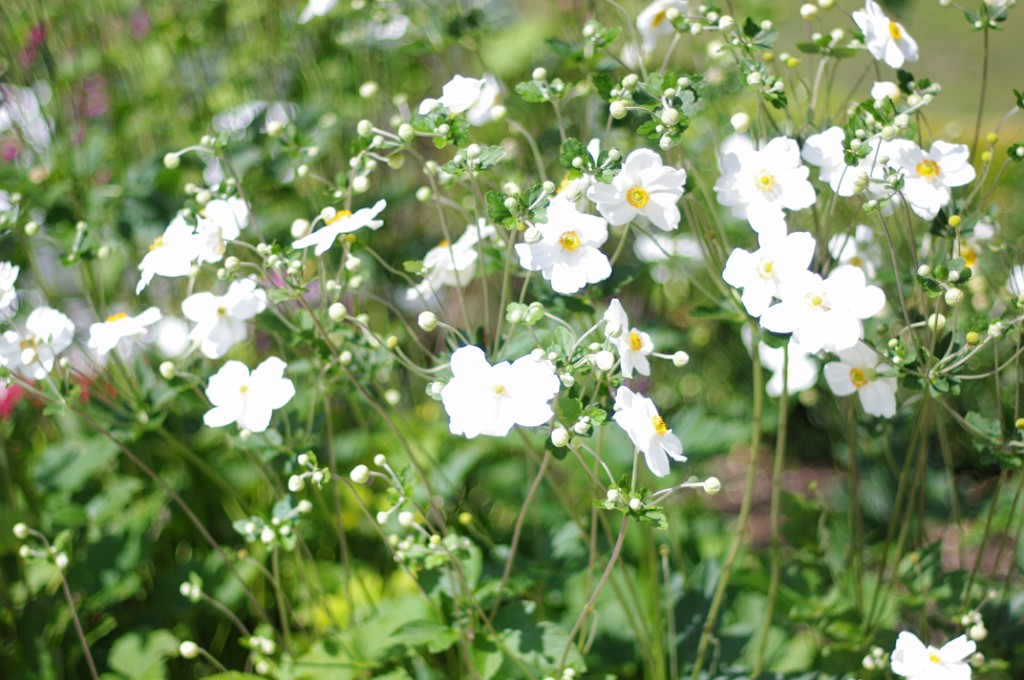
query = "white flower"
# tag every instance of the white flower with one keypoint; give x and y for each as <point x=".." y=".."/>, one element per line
<point x="762" y="274"/>
<point x="857" y="371"/>
<point x="481" y="112"/>
<point x="569" y="251"/>
<point x="644" y="186"/>
<point x="33" y="352"/>
<point x="238" y="397"/>
<point x="632" y="344"/>
<point x="802" y="367"/>
<point x="104" y="336"/>
<point x="451" y="264"/>
<point x="825" y="151"/>
<point x="171" y="254"/>
<point x="638" y="416"/>
<point x="653" y="22"/>
<point x="220" y="220"/>
<point x="220" y="319"/>
<point x="485" y="399"/>
<point x="758" y="184"/>
<point x="825" y="314"/>
<point x="886" y="40"/>
<point x="460" y="94"/>
<point x="8" y="275"/>
<point x="575" y="189"/>
<point x="912" y="659"/>
<point x="928" y="177"/>
<point x="858" y="249"/>
<point x="316" y="8"/>
<point x="171" y="336"/>
<point x="343" y="222"/>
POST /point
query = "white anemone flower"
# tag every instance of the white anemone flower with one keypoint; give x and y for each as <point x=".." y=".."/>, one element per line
<point x="801" y="367"/>
<point x="756" y="185"/>
<point x="33" y="352"/>
<point x="171" y="336"/>
<point x="481" y="112"/>
<point x="171" y="254"/>
<point x="485" y="399"/>
<point x="220" y="319"/>
<point x="104" y="336"/>
<point x="316" y="8"/>
<point x="653" y="22"/>
<point x="632" y="344"/>
<point x="885" y="39"/>
<point x="451" y="264"/>
<point x="825" y="151"/>
<point x="248" y="399"/>
<point x="460" y="94"/>
<point x="928" y="177"/>
<point x="825" y="313"/>
<point x="639" y="417"/>
<point x="342" y="222"/>
<point x="763" y="273"/>
<point x="857" y="371"/>
<point x="568" y="253"/>
<point x="912" y="659"/>
<point x="220" y="220"/>
<point x="8" y="295"/>
<point x="645" y="186"/>
<point x="858" y="249"/>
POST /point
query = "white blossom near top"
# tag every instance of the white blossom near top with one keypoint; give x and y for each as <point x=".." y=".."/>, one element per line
<point x="342" y="222"/>
<point x="763" y="273"/>
<point x="858" y="249"/>
<point x="172" y="254"/>
<point x="451" y="264"/>
<point x="220" y="220"/>
<point x="825" y="151"/>
<point x="8" y="295"/>
<point x="857" y="371"/>
<point x="482" y="112"/>
<point x="801" y="367"/>
<point x="104" y="336"/>
<point x="885" y="39"/>
<point x="568" y="253"/>
<point x="32" y="352"/>
<point x="639" y="417"/>
<point x="632" y="344"/>
<point x="929" y="176"/>
<point x="248" y="399"/>
<point x="825" y="313"/>
<point x="758" y="184"/>
<point x="653" y="22"/>
<point x="461" y="94"/>
<point x="316" y="8"/>
<point x="645" y="186"/>
<point x="912" y="659"/>
<point x="220" y="319"/>
<point x="485" y="399"/>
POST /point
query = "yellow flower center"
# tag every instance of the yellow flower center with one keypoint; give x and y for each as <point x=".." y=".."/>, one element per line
<point x="341" y="214"/>
<point x="158" y="243"/>
<point x="894" y="30"/>
<point x="569" y="240"/>
<point x="563" y="185"/>
<point x="928" y="169"/>
<point x="444" y="243"/>
<point x="221" y="311"/>
<point x="659" y="425"/>
<point x="764" y="180"/>
<point x="816" y="300"/>
<point x="934" y="658"/>
<point x="635" y="343"/>
<point x="858" y="378"/>
<point x="637" y="197"/>
<point x="969" y="254"/>
<point x="766" y="268"/>
<point x="499" y="389"/>
<point x="117" y="317"/>
<point x="856" y="261"/>
<point x="659" y="18"/>
<point x="27" y="343"/>
<point x="243" y="389"/>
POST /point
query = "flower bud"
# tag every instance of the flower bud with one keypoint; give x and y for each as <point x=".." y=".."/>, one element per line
<point x="559" y="437"/>
<point x="809" y="12"/>
<point x="20" y="530"/>
<point x="337" y="312"/>
<point x="296" y="483"/>
<point x="604" y="360"/>
<point x="188" y="649"/>
<point x="712" y="486"/>
<point x="954" y="296"/>
<point x="680" y="359"/>
<point x="635" y="504"/>
<point x="539" y="73"/>
<point x="172" y="161"/>
<point x="61" y="561"/>
<point x="936" y="322"/>
<point x="168" y="370"/>
<point x="740" y="122"/>
<point x="369" y="89"/>
<point x="360" y="474"/>
<point x="406" y="518"/>
<point x="670" y="116"/>
<point x="427" y="321"/>
<point x="924" y="271"/>
<point x="31" y="228"/>
<point x="618" y="109"/>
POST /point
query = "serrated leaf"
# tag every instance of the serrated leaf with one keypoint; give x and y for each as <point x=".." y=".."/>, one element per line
<point x="568" y="410"/>
<point x="532" y="91"/>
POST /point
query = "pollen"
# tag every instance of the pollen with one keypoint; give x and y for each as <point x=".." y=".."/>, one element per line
<point x="764" y="180"/>
<point x="243" y="389"/>
<point x="928" y="169"/>
<point x="563" y="185"/>
<point x="499" y="389"/>
<point x="158" y="243"/>
<point x="659" y="18"/>
<point x="816" y="300"/>
<point x="934" y="658"/>
<point x="659" y="425"/>
<point x="637" y="197"/>
<point x="221" y="311"/>
<point x="969" y="254"/>
<point x="116" y="317"/>
<point x="635" y="343"/>
<point x="766" y="268"/>
<point x="341" y="214"/>
<point x="894" y="30"/>
<point x="444" y="243"/>
<point x="27" y="343"/>
<point x="569" y="240"/>
<point x="858" y="378"/>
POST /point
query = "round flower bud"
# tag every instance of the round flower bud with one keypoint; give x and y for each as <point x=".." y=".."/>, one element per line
<point x="977" y="632"/>
<point x="300" y="228"/>
<point x="303" y="459"/>
<point x="172" y="161"/>
<point x="954" y="296"/>
<point x="369" y="89"/>
<point x="361" y="184"/>
<point x="665" y="143"/>
<point x="826" y="4"/>
<point x="360" y="474"/>
<point x="618" y="109"/>
<point x="267" y="535"/>
<point x="539" y="73"/>
<point x="392" y="397"/>
<point x="188" y="649"/>
<point x="31" y="228"/>
<point x="670" y="116"/>
<point x="924" y="271"/>
<point x="25" y="552"/>
<point x="168" y="370"/>
<point x="680" y="359"/>
<point x="613" y="495"/>
<point x="977" y="659"/>
<point x="753" y="78"/>
<point x="232" y="263"/>
<point x="809" y="12"/>
<point x="581" y="427"/>
<point x="296" y="483"/>
<point x="936" y="322"/>
<point x="712" y="486"/>
<point x="337" y="311"/>
<point x="424" y="194"/>
<point x="345" y="358"/>
<point x="20" y="530"/>
<point x="973" y="337"/>
<point x="406" y="518"/>
<point x="559" y="437"/>
<point x="427" y="321"/>
<point x="604" y="360"/>
<point x="61" y="561"/>
<point x="740" y="122"/>
<point x="511" y="203"/>
<point x="635" y="504"/>
<point x="304" y="506"/>
<point x="726" y="22"/>
<point x="953" y="276"/>
<point x="380" y="460"/>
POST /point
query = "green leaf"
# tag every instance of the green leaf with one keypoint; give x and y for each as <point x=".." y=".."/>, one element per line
<point x="435" y="637"/>
<point x="413" y="266"/>
<point x="497" y="213"/>
<point x="568" y="410"/>
<point x="532" y="91"/>
<point x="142" y="656"/>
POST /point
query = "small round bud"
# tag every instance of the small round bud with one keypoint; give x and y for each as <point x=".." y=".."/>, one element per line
<point x="753" y="78"/>
<point x="361" y="184"/>
<point x="345" y="358"/>
<point x="188" y="649"/>
<point x="424" y="194"/>
<point x="670" y="116"/>
<point x="924" y="271"/>
<point x="300" y="228"/>
<point x="20" y="531"/>
<point x="267" y="535"/>
<point x="809" y="12"/>
<point x="380" y="460"/>
<point x="31" y="228"/>
<point x="172" y="161"/>
<point x="559" y="437"/>
<point x="465" y="518"/>
<point x="613" y="495"/>
<point x="337" y="312"/>
<point x="369" y="89"/>
<point x="296" y="483"/>
<point x="581" y="427"/>
<point x="977" y="632"/>
<point x="232" y="263"/>
<point x="680" y="359"/>
<point x="548" y="186"/>
<point x="511" y="203"/>
<point x="740" y="122"/>
<point x="168" y="370"/>
<point x="954" y="296"/>
<point x="953" y="276"/>
<point x="406" y="518"/>
<point x="726" y="22"/>
<point x="427" y="321"/>
<point x="618" y="109"/>
<point x="539" y="73"/>
<point x="304" y="506"/>
<point x="665" y="143"/>
<point x="604" y="360"/>
<point x="61" y="561"/>
<point x="712" y="486"/>
<point x="635" y="504"/>
<point x="360" y="474"/>
<point x="393" y="397"/>
<point x="973" y="337"/>
<point x="936" y="322"/>
<point x="826" y="4"/>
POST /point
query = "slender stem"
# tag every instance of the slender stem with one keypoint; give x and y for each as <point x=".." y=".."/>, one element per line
<point x="981" y="96"/>
<point x="282" y="610"/>
<point x="78" y="625"/>
<point x="670" y="614"/>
